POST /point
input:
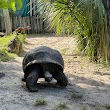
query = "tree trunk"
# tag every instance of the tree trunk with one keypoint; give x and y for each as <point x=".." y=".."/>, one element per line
<point x="107" y="8"/>
<point x="106" y="4"/>
<point x="7" y="21"/>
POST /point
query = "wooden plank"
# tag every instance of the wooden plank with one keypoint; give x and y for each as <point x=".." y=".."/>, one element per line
<point x="37" y="25"/>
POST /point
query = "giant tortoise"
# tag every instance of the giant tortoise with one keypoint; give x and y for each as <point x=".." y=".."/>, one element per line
<point x="43" y="62"/>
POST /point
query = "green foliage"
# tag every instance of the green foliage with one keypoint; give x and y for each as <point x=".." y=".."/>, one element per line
<point x="13" y="4"/>
<point x="58" y="14"/>
<point x="4" y="41"/>
<point x="92" y="38"/>
<point x="40" y="101"/>
<point x="21" y="38"/>
<point x="61" y="106"/>
<point x="85" y="18"/>
<point x="76" y="95"/>
<point x="3" y="4"/>
<point x="107" y="106"/>
<point x="5" y="55"/>
<point x="63" y="51"/>
<point x="19" y="4"/>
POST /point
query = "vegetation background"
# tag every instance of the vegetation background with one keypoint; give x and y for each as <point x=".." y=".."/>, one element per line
<point x="85" y="20"/>
<point x="88" y="19"/>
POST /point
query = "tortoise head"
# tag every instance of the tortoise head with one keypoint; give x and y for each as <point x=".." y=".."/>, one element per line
<point x="48" y="76"/>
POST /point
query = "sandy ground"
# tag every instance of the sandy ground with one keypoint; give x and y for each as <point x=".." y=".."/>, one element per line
<point x="88" y="88"/>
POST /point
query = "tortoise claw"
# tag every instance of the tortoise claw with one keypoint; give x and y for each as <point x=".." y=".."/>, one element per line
<point x="23" y="79"/>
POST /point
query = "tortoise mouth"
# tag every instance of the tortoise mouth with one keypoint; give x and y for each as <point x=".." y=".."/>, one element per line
<point x="43" y="62"/>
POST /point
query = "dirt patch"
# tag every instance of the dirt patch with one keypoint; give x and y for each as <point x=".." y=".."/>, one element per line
<point x="88" y="88"/>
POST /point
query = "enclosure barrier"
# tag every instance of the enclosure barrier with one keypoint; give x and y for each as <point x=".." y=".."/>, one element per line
<point x="37" y="24"/>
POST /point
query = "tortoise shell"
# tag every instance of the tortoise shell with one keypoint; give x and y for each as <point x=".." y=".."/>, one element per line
<point x="40" y="55"/>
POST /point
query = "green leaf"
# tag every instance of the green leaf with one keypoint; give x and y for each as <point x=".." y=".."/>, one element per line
<point x="19" y="4"/>
<point x="12" y="4"/>
<point x="3" y="4"/>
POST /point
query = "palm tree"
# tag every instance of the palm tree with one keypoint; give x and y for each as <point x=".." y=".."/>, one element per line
<point x="86" y="18"/>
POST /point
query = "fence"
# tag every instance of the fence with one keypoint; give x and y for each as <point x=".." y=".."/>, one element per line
<point x="37" y="24"/>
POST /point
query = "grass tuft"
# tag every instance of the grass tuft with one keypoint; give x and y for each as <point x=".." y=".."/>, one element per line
<point x="84" y="108"/>
<point x="107" y="106"/>
<point x="61" y="106"/>
<point x="76" y="95"/>
<point x="40" y="102"/>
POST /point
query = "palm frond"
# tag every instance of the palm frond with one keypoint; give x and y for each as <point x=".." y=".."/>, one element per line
<point x="86" y="18"/>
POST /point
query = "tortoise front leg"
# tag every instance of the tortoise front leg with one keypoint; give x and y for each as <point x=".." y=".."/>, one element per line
<point x="31" y="81"/>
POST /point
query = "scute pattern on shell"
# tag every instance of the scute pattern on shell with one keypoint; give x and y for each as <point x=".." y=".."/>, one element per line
<point x="42" y="54"/>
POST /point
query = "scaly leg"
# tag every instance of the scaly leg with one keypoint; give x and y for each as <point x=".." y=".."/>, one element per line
<point x="31" y="81"/>
<point x="61" y="79"/>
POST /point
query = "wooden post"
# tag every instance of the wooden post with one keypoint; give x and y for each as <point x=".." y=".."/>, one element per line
<point x="7" y="21"/>
<point x="30" y="7"/>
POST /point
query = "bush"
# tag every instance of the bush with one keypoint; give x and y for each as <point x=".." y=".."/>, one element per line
<point x="5" y="55"/>
<point x="7" y="46"/>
